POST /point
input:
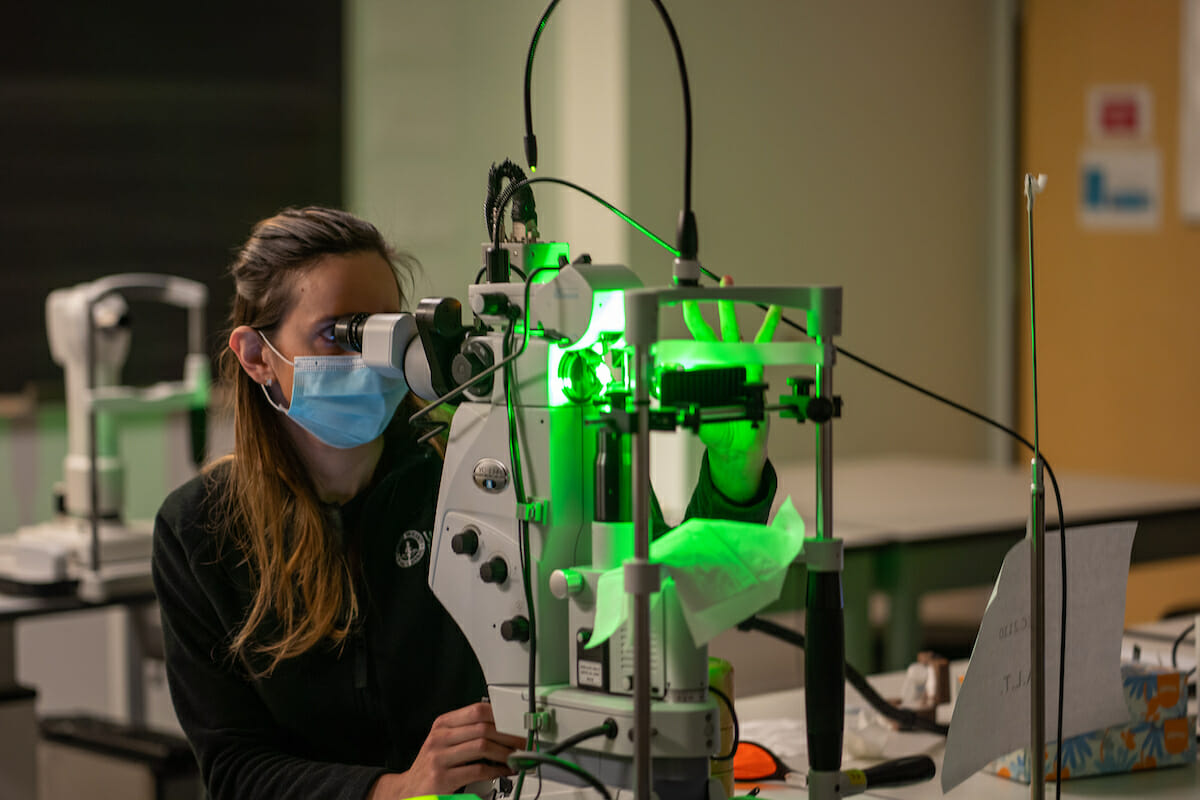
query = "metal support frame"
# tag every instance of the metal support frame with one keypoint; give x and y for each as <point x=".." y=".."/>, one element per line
<point x="822" y="307"/>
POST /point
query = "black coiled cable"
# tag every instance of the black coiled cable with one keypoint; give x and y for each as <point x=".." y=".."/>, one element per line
<point x="523" y="207"/>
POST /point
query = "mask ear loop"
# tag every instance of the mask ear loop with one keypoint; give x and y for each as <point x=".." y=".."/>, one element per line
<point x="284" y="359"/>
<point x="271" y="400"/>
<point x="266" y="386"/>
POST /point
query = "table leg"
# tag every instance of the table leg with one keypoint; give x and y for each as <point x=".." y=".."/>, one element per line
<point x="135" y="664"/>
<point x="18" y="723"/>
<point x="858" y="580"/>
<point x="902" y="634"/>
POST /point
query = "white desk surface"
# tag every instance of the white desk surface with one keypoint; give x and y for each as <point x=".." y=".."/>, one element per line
<point x="910" y="498"/>
<point x="18" y="606"/>
<point x="1169" y="783"/>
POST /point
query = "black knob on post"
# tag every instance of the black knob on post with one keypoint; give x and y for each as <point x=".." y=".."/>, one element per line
<point x="515" y="630"/>
<point x="494" y="571"/>
<point x="465" y="543"/>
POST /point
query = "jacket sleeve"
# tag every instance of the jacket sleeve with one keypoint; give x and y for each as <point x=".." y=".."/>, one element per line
<point x="708" y="503"/>
<point x="241" y="752"/>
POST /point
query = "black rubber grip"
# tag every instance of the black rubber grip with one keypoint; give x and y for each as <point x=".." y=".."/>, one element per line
<point x="900" y="771"/>
<point x="824" y="670"/>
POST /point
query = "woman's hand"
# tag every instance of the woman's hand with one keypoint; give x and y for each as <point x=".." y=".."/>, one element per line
<point x="462" y="747"/>
<point x="737" y="451"/>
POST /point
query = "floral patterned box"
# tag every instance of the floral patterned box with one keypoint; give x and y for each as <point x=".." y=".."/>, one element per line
<point x="1154" y="693"/>
<point x="1157" y="735"/>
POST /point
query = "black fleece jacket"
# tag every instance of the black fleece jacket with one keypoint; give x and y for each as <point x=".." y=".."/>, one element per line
<point x="327" y="724"/>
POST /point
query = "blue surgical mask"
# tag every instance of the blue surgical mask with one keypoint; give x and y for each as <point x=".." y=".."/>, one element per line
<point x="339" y="399"/>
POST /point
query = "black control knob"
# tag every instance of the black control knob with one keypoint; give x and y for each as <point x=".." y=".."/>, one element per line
<point x="494" y="570"/>
<point x="515" y="630"/>
<point x="465" y="543"/>
<point x="475" y="357"/>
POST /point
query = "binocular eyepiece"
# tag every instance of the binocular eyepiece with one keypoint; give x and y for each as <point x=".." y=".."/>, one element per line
<point x="348" y="331"/>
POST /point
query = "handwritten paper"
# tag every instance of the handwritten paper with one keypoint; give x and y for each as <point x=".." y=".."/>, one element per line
<point x="992" y="714"/>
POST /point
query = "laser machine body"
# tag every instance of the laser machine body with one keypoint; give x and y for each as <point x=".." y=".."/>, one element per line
<point x="545" y="487"/>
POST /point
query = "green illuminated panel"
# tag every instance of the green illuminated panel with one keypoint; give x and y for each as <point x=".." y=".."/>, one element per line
<point x="545" y="254"/>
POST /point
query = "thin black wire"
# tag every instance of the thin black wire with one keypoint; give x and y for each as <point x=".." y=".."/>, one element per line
<point x="519" y="492"/>
<point x="1175" y="648"/>
<point x="526" y="759"/>
<point x="538" y="793"/>
<point x="519" y="489"/>
<point x="905" y="717"/>
<point x="513" y="187"/>
<point x="683" y="81"/>
<point x="479" y="275"/>
<point x="533" y="43"/>
<point x="462" y="387"/>
<point x="687" y="105"/>
<point x="737" y="731"/>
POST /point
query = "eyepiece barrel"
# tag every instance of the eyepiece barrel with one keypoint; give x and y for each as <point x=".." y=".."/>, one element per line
<point x="348" y="330"/>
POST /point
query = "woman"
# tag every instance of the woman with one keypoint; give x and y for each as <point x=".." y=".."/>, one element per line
<point x="303" y="661"/>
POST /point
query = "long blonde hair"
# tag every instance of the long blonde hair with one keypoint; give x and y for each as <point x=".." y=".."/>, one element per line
<point x="302" y="577"/>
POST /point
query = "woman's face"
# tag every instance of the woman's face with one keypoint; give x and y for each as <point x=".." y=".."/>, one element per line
<point x="336" y="286"/>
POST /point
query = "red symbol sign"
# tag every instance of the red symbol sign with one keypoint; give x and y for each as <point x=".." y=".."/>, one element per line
<point x="1119" y="115"/>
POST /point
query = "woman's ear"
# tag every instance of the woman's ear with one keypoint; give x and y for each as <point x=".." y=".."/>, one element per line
<point x="247" y="345"/>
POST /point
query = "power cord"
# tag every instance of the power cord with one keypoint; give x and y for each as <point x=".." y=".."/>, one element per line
<point x="687" y="237"/>
<point x="607" y="729"/>
<point x="907" y="719"/>
<point x="737" y="731"/>
<point x="523" y="760"/>
<point x="1175" y="649"/>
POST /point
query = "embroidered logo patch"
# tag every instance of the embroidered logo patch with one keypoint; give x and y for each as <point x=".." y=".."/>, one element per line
<point x="410" y="549"/>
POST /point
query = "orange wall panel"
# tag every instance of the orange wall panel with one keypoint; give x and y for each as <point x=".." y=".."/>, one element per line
<point x="1118" y="328"/>
<point x="1118" y="312"/>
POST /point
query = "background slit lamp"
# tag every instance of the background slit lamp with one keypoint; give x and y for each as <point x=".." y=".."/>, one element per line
<point x="89" y="547"/>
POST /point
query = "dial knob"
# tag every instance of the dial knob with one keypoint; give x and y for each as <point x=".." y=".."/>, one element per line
<point x="494" y="570"/>
<point x="565" y="582"/>
<point x="465" y="543"/>
<point x="515" y="629"/>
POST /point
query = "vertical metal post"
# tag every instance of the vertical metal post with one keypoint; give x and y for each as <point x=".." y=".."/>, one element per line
<point x="93" y="420"/>
<point x="1037" y="548"/>
<point x="641" y="555"/>
<point x="824" y="472"/>
<point x="1037" y="633"/>
<point x="824" y="653"/>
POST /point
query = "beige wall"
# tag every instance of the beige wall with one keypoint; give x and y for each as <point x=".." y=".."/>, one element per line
<point x="846" y="144"/>
<point x="433" y="98"/>
<point x="1118" y="333"/>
